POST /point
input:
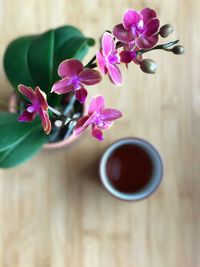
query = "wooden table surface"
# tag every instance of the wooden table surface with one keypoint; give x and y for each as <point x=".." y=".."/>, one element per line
<point x="53" y="210"/>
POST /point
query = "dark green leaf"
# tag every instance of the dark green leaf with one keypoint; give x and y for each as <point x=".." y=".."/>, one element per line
<point x="16" y="61"/>
<point x="33" y="60"/>
<point x="19" y="141"/>
<point x="40" y="58"/>
<point x="24" y="150"/>
<point x="11" y="131"/>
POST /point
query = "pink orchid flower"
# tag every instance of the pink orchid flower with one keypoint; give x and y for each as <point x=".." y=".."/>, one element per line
<point x="107" y="59"/>
<point x="74" y="77"/>
<point x="98" y="117"/>
<point x="138" y="27"/>
<point x="38" y="106"/>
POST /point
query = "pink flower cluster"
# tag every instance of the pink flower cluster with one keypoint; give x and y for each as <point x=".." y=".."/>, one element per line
<point x="138" y="30"/>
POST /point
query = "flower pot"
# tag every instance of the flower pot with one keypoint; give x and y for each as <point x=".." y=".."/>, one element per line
<point x="53" y="145"/>
<point x="61" y="144"/>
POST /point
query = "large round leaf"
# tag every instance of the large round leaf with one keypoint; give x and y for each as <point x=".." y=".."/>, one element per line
<point x="34" y="60"/>
<point x="19" y="141"/>
<point x="16" y="63"/>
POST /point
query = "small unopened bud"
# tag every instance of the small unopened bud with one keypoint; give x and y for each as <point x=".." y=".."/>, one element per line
<point x="178" y="50"/>
<point x="148" y="66"/>
<point x="166" y="30"/>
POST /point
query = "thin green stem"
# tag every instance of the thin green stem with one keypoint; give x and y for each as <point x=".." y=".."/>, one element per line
<point x="55" y="111"/>
<point x="165" y="47"/>
<point x="70" y="106"/>
<point x="88" y="65"/>
<point x="93" y="66"/>
<point x="63" y="117"/>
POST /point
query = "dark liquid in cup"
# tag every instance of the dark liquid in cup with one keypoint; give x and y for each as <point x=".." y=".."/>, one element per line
<point x="129" y="168"/>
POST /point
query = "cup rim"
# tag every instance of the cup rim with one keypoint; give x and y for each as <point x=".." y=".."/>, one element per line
<point x="155" y="181"/>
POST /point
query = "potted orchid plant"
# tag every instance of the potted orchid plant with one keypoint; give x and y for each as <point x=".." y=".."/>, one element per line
<point x="50" y="82"/>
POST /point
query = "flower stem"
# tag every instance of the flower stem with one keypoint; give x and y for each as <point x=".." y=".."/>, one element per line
<point x="63" y="116"/>
<point x="56" y="112"/>
<point x="70" y="106"/>
<point x="93" y="66"/>
<point x="165" y="47"/>
<point x="90" y="63"/>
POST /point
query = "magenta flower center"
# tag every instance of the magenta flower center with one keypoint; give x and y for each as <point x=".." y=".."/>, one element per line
<point x="76" y="83"/>
<point x="98" y="121"/>
<point x="34" y="107"/>
<point x="137" y="29"/>
<point x="114" y="59"/>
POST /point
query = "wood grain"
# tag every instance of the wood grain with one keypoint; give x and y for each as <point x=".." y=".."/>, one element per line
<point x="53" y="210"/>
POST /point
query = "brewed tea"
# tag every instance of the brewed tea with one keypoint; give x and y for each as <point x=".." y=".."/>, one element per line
<point x="129" y="168"/>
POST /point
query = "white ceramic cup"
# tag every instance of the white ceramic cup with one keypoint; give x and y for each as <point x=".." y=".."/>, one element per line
<point x="154" y="180"/>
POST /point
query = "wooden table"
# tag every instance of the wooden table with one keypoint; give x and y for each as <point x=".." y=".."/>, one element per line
<point x="53" y="210"/>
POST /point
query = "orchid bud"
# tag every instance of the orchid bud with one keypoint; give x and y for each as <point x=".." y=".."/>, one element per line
<point x="178" y="50"/>
<point x="148" y="66"/>
<point x="166" y="30"/>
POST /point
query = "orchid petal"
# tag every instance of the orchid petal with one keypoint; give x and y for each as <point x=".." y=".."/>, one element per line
<point x="70" y="68"/>
<point x="89" y="77"/>
<point x="48" y="124"/>
<point x="84" y="122"/>
<point x="108" y="45"/>
<point x="81" y="95"/>
<point x="122" y="34"/>
<point x="45" y="120"/>
<point x="101" y="62"/>
<point x="26" y="116"/>
<point x="147" y="14"/>
<point x="96" y="105"/>
<point x="97" y="133"/>
<point x="152" y="27"/>
<point x="147" y="43"/>
<point x="127" y="56"/>
<point x="130" y="46"/>
<point x="31" y="108"/>
<point x="131" y="18"/>
<point x="106" y="125"/>
<point x="81" y="126"/>
<point x="63" y="86"/>
<point x="110" y="114"/>
<point x="27" y="92"/>
<point x="48" y="130"/>
<point x="115" y="74"/>
<point x="41" y="98"/>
